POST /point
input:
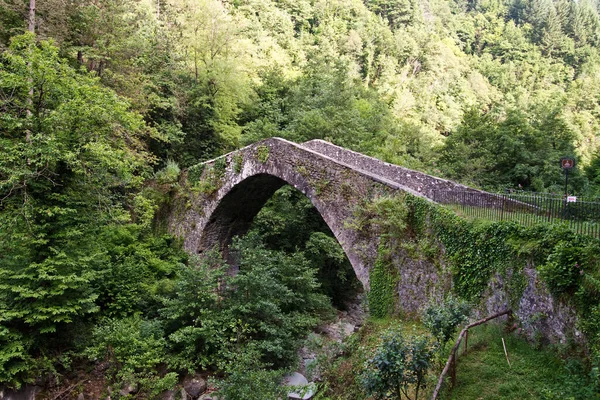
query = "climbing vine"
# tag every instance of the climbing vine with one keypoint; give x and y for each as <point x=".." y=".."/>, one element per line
<point x="475" y="251"/>
<point x="383" y="279"/>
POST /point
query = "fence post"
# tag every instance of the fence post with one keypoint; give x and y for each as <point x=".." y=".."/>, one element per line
<point x="453" y="371"/>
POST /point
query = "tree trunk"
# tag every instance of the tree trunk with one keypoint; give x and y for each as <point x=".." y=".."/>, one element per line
<point x="30" y="28"/>
<point x="31" y="19"/>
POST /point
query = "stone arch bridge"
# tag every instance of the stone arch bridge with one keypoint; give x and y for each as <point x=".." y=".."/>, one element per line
<point x="230" y="190"/>
<point x="226" y="194"/>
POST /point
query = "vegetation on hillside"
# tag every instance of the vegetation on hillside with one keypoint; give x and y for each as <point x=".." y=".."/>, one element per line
<point x="103" y="103"/>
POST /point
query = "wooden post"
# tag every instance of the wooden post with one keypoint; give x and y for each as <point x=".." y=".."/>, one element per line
<point x="466" y="341"/>
<point x="453" y="372"/>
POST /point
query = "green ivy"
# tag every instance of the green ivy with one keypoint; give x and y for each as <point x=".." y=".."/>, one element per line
<point x="474" y="251"/>
<point x="383" y="279"/>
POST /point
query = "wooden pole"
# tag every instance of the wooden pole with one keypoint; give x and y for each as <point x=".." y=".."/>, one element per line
<point x="505" y="353"/>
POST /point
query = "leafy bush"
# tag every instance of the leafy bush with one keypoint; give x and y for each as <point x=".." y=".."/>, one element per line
<point x="276" y="297"/>
<point x="169" y="174"/>
<point x="443" y="319"/>
<point x="196" y="327"/>
<point x="562" y="270"/>
<point x="398" y="365"/>
<point x="269" y="304"/>
<point x="576" y="383"/>
<point x="248" y="378"/>
<point x="135" y="348"/>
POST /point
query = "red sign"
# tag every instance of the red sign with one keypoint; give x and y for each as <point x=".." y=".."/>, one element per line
<point x="567" y="163"/>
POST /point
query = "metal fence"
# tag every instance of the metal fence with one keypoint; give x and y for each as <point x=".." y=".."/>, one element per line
<point x="527" y="208"/>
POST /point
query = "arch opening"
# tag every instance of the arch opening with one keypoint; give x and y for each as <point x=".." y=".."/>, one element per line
<point x="285" y="219"/>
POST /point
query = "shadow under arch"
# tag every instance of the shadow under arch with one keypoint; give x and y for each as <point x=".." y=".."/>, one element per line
<point x="237" y="209"/>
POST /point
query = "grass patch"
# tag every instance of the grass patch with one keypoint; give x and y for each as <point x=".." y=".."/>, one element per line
<point x="483" y="373"/>
<point x="590" y="228"/>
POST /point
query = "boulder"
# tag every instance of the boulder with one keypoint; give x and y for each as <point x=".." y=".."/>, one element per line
<point x="27" y="392"/>
<point x="128" y="388"/>
<point x="300" y="389"/>
<point x="194" y="386"/>
<point x="168" y="395"/>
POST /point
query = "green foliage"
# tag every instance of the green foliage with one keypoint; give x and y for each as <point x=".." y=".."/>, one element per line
<point x="71" y="153"/>
<point x="289" y="222"/>
<point x="386" y="215"/>
<point x="169" y="174"/>
<point x="511" y="152"/>
<point x="383" y="279"/>
<point x="262" y="154"/>
<point x="249" y="379"/>
<point x="561" y="270"/>
<point x="207" y="178"/>
<point x="238" y="162"/>
<point x="276" y="298"/>
<point x="134" y="348"/>
<point x="16" y="364"/>
<point x="533" y="373"/>
<point x="442" y="320"/>
<point x="575" y="382"/>
<point x="194" y="327"/>
<point x="271" y="302"/>
<point x="194" y="173"/>
<point x="132" y="268"/>
<point x="219" y="167"/>
<point x="398" y="365"/>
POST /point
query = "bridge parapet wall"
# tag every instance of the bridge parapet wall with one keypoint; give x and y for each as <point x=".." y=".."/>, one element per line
<point x="436" y="189"/>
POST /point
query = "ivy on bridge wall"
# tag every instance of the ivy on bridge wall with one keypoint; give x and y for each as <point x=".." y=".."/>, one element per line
<point x="477" y="250"/>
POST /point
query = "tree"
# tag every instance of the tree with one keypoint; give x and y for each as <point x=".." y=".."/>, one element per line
<point x="510" y="151"/>
<point x="63" y="175"/>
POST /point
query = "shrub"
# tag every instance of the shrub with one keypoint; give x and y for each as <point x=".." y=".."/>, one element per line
<point x="135" y="348"/>
<point x="397" y="365"/>
<point x="248" y="378"/>
<point x="443" y="319"/>
<point x="169" y="174"/>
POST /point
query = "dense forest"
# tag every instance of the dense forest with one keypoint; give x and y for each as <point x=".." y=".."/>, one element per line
<point x="104" y="102"/>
